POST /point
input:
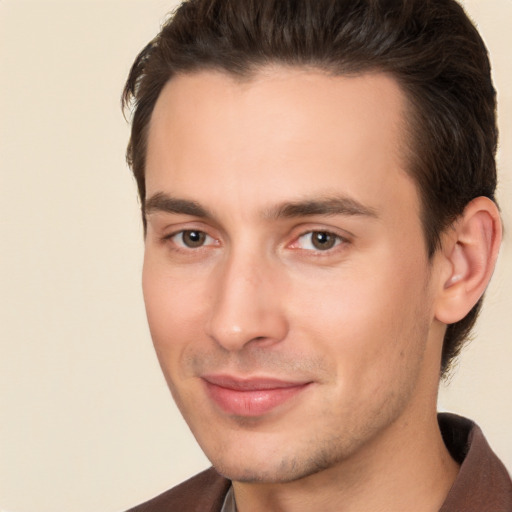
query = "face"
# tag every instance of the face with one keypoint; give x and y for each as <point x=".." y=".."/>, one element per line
<point x="286" y="280"/>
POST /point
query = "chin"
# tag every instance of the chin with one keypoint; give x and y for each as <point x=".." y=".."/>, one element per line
<point x="259" y="475"/>
<point x="269" y="469"/>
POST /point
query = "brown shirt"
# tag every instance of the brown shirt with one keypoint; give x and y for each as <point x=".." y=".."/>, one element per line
<point x="482" y="485"/>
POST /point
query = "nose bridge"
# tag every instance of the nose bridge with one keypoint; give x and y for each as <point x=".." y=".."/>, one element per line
<point x="245" y="307"/>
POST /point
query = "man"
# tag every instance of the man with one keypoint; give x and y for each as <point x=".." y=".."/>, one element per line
<point x="317" y="182"/>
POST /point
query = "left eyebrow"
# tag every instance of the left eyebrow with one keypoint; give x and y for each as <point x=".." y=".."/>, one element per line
<point x="321" y="206"/>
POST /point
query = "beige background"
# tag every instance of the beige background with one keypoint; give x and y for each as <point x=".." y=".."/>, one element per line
<point x="86" y="422"/>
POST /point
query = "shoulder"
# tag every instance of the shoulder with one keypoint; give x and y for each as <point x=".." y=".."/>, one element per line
<point x="204" y="492"/>
<point x="483" y="482"/>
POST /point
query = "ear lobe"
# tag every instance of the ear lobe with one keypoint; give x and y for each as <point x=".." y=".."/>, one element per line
<point x="470" y="249"/>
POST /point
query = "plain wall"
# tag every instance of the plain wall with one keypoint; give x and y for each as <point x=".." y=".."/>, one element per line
<point x="86" y="421"/>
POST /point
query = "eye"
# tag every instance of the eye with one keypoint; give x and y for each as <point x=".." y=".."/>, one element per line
<point x="192" y="239"/>
<point x="318" y="241"/>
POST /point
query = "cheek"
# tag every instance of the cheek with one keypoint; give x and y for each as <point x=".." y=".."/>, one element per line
<point x="362" y="317"/>
<point x="349" y="302"/>
<point x="172" y="305"/>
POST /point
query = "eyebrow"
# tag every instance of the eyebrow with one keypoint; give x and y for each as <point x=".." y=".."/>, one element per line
<point x="161" y="202"/>
<point x="339" y="205"/>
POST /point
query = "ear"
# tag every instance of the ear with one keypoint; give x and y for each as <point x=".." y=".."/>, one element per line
<point x="469" y="252"/>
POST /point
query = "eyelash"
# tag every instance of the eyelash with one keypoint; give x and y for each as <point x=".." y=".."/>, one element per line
<point x="182" y="232"/>
<point x="337" y="239"/>
<point x="334" y="237"/>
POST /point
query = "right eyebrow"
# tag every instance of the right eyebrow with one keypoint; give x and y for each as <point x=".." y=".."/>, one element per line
<point x="161" y="202"/>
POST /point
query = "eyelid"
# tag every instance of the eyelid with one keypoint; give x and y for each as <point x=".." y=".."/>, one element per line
<point x="182" y="245"/>
<point x="341" y="240"/>
<point x="169" y="229"/>
<point x="343" y="237"/>
<point x="173" y="231"/>
<point x="209" y="239"/>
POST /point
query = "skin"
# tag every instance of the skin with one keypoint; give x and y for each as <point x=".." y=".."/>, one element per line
<point x="357" y="322"/>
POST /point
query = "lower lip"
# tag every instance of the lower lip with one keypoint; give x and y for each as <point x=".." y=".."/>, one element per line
<point x="251" y="403"/>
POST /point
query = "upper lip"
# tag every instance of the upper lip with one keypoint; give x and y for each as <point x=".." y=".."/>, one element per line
<point x="251" y="383"/>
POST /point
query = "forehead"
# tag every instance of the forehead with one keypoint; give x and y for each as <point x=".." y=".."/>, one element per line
<point x="283" y="134"/>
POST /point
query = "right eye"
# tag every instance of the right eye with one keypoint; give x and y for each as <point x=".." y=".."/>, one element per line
<point x="192" y="239"/>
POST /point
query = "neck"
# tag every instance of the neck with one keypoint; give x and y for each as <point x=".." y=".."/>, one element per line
<point x="407" y="468"/>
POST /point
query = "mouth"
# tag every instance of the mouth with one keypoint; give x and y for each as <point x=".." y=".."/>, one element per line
<point x="250" y="397"/>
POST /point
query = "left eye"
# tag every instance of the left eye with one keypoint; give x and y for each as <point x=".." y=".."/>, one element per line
<point x="318" y="241"/>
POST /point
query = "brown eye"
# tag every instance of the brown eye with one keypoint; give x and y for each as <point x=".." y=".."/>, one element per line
<point x="193" y="239"/>
<point x="318" y="241"/>
<point x="322" y="240"/>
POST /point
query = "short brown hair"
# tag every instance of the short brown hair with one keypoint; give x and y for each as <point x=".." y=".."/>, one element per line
<point x="429" y="46"/>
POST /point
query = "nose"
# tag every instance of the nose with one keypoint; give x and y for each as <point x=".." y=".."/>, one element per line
<point x="247" y="306"/>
